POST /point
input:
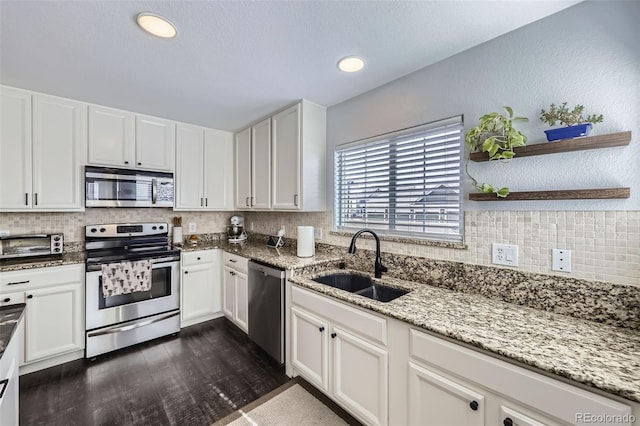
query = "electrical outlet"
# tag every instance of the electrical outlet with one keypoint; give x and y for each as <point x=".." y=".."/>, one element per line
<point x="192" y="227"/>
<point x="317" y="233"/>
<point x="5" y="233"/>
<point x="282" y="229"/>
<point x="252" y="226"/>
<point x="504" y="254"/>
<point x="561" y="260"/>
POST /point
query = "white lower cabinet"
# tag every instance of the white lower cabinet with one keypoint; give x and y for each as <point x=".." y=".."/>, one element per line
<point x="9" y="382"/>
<point x="200" y="286"/>
<point x="54" y="322"/>
<point x="332" y="347"/>
<point x="235" y="290"/>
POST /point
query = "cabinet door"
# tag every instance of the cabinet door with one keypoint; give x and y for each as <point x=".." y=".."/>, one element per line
<point x="197" y="295"/>
<point x="155" y="143"/>
<point x="440" y="401"/>
<point x="360" y="377"/>
<point x="111" y="137"/>
<point x="189" y="167"/>
<point x="261" y="165"/>
<point x="218" y="170"/>
<point x="242" y="301"/>
<point x="59" y="141"/>
<point x="15" y="149"/>
<point x="54" y="321"/>
<point x="228" y="292"/>
<point x="243" y="169"/>
<point x="309" y="347"/>
<point x="286" y="159"/>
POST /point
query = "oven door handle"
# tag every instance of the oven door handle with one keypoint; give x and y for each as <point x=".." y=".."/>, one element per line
<point x="112" y="330"/>
<point x="154" y="191"/>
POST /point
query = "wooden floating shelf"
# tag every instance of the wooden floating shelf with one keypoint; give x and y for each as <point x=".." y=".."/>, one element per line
<point x="566" y="194"/>
<point x="566" y="145"/>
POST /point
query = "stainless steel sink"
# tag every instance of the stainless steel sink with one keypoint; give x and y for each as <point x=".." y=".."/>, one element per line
<point x="361" y="285"/>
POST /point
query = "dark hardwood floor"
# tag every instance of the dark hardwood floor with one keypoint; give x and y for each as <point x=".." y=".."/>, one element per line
<point x="194" y="378"/>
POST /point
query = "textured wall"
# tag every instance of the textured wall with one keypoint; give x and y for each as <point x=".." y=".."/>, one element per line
<point x="585" y="54"/>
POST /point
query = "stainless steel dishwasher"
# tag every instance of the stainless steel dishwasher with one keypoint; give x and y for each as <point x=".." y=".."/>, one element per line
<point x="266" y="308"/>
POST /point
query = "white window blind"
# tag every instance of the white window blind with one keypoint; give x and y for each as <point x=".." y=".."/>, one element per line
<point x="406" y="183"/>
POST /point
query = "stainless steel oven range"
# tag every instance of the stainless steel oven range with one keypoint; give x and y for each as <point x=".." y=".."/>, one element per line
<point x="132" y="285"/>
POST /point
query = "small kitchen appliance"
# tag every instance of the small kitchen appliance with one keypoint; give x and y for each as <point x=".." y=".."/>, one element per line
<point x="235" y="231"/>
<point x="14" y="246"/>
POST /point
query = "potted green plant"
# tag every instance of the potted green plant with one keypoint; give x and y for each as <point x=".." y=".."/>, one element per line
<point x="576" y="125"/>
<point x="496" y="136"/>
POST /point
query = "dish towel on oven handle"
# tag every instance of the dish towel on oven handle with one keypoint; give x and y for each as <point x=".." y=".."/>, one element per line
<point x="126" y="277"/>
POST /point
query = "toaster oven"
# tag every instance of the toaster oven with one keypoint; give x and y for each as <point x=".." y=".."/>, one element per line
<point x="14" y="246"/>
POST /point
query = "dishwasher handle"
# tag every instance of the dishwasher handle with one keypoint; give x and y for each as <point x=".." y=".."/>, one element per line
<point x="267" y="270"/>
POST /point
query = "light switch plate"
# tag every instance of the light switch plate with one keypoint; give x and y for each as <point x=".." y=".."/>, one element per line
<point x="192" y="227"/>
<point x="504" y="254"/>
<point x="317" y="233"/>
<point x="561" y="260"/>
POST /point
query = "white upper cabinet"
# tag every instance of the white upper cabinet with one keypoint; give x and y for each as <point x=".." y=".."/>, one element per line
<point x="287" y="161"/>
<point x="126" y="140"/>
<point x="243" y="169"/>
<point x="15" y="149"/>
<point x="111" y="137"/>
<point x="42" y="147"/>
<point x="204" y="169"/>
<point x="261" y="165"/>
<point x="155" y="143"/>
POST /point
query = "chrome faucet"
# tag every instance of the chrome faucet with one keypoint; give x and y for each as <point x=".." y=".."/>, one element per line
<point x="379" y="267"/>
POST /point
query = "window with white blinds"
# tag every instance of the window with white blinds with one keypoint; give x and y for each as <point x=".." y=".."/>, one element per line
<point x="406" y="183"/>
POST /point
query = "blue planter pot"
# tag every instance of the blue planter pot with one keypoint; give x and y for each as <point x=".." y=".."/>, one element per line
<point x="577" y="131"/>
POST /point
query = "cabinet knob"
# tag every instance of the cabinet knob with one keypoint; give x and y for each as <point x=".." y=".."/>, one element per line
<point x="186" y="272"/>
<point x="126" y="162"/>
<point x="30" y="296"/>
<point x="198" y="258"/>
<point x="333" y="335"/>
<point x="139" y="164"/>
<point x="321" y="328"/>
<point x="507" y="422"/>
<point x="8" y="299"/>
<point x="474" y="405"/>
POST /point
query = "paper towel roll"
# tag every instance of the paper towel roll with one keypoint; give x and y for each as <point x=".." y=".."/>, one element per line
<point x="177" y="235"/>
<point x="306" y="243"/>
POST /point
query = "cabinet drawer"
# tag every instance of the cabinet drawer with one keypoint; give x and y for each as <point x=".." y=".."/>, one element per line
<point x="363" y="323"/>
<point x="201" y="257"/>
<point x="553" y="397"/>
<point x="41" y="277"/>
<point x="236" y="262"/>
<point x="11" y="298"/>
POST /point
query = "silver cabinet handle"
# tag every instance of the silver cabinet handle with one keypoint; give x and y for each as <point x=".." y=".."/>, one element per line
<point x="201" y="201"/>
<point x="206" y="202"/>
<point x="19" y="282"/>
<point x="251" y="201"/>
<point x="35" y="198"/>
<point x="154" y="190"/>
<point x="295" y="200"/>
<point x="247" y="201"/>
<point x="26" y="198"/>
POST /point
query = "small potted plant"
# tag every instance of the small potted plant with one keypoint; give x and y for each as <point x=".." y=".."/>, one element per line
<point x="496" y="136"/>
<point x="576" y="125"/>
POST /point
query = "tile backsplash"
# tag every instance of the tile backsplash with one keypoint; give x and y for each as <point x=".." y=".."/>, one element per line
<point x="605" y="244"/>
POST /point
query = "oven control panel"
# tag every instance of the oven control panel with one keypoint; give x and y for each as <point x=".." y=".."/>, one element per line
<point x="126" y="230"/>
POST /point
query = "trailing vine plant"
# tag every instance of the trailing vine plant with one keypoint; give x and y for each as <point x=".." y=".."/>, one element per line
<point x="496" y="136"/>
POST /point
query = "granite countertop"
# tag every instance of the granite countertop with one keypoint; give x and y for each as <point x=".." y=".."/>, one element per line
<point x="67" y="258"/>
<point x="284" y="257"/>
<point x="597" y="355"/>
<point x="9" y="317"/>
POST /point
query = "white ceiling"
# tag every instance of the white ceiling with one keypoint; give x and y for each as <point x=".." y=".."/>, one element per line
<point x="236" y="61"/>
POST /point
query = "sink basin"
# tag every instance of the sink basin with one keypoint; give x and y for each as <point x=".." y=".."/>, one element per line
<point x="361" y="285"/>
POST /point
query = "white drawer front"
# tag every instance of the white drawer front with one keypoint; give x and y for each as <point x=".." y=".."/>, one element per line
<point x="364" y="323"/>
<point x="11" y="298"/>
<point x="41" y="277"/>
<point x="236" y="262"/>
<point x="200" y="257"/>
<point x="553" y="397"/>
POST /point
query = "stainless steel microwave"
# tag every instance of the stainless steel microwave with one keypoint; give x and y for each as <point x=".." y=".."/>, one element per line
<point x="14" y="246"/>
<point x="109" y="187"/>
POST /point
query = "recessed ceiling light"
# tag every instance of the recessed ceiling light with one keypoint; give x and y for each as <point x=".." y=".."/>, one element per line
<point x="351" y="64"/>
<point x="156" y="25"/>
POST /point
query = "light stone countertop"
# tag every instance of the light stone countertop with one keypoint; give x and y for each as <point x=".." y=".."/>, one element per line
<point x="594" y="354"/>
<point x="67" y="258"/>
